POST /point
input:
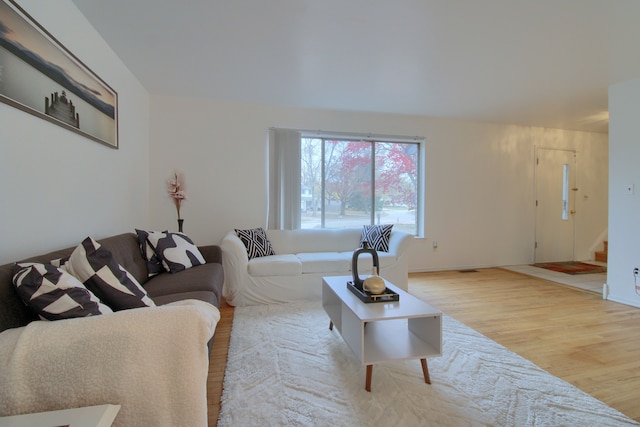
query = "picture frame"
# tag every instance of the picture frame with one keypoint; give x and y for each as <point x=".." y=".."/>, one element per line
<point x="41" y="77"/>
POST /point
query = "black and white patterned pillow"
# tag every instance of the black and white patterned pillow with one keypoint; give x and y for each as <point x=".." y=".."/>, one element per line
<point x="154" y="262"/>
<point x="256" y="242"/>
<point x="59" y="262"/>
<point x="176" y="250"/>
<point x="95" y="267"/>
<point x="54" y="294"/>
<point x="377" y="236"/>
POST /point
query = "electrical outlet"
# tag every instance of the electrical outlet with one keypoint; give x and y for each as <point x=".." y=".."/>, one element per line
<point x="636" y="271"/>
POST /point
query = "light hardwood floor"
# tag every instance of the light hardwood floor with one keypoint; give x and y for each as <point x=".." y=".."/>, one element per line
<point x="571" y="333"/>
<point x="218" y="362"/>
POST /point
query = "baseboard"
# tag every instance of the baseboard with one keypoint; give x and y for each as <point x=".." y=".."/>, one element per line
<point x="626" y="301"/>
<point x="452" y="268"/>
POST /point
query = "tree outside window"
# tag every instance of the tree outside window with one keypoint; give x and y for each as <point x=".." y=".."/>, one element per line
<point x="348" y="183"/>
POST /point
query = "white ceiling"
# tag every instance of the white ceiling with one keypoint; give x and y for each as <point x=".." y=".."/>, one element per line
<point x="529" y="62"/>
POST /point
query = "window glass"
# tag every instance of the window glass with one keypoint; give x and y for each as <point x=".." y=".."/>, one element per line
<point x="348" y="183"/>
<point x="565" y="192"/>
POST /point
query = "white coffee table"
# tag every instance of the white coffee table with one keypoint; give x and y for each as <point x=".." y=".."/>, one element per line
<point x="382" y="331"/>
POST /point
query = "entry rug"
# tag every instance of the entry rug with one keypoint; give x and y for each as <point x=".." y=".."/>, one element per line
<point x="572" y="267"/>
<point x="286" y="368"/>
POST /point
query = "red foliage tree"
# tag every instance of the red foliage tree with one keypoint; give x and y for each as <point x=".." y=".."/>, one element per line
<point x="348" y="173"/>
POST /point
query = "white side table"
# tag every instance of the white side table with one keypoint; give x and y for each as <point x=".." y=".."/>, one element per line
<point x="88" y="416"/>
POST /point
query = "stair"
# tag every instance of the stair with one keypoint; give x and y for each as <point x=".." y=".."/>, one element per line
<point x="601" y="256"/>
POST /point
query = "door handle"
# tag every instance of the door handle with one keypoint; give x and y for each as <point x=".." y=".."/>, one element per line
<point x="572" y="212"/>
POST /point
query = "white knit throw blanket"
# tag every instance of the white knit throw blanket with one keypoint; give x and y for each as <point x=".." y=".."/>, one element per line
<point x="151" y="361"/>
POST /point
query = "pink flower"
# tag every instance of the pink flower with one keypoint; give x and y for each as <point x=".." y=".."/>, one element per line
<point x="175" y="188"/>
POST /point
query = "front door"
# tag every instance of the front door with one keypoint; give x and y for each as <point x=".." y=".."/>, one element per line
<point x="555" y="205"/>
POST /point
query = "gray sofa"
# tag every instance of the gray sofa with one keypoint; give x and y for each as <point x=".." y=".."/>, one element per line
<point x="152" y="361"/>
<point x="203" y="282"/>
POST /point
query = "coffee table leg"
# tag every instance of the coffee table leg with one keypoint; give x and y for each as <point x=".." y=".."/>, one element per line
<point x="425" y="371"/>
<point x="367" y="384"/>
<point x="331" y="325"/>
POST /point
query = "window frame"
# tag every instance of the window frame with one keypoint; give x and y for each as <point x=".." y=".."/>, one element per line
<point x="281" y="182"/>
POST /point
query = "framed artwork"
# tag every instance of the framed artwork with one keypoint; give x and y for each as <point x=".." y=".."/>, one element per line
<point x="41" y="77"/>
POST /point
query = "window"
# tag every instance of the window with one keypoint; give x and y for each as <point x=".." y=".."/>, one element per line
<point x="565" y="192"/>
<point x="346" y="181"/>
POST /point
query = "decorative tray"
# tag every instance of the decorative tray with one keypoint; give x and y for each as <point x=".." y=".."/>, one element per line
<point x="387" y="296"/>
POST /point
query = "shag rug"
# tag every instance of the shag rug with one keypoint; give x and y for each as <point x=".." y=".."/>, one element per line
<point x="572" y="267"/>
<point x="286" y="368"/>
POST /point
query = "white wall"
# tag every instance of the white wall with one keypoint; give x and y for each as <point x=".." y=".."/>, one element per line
<point x="59" y="187"/>
<point x="624" y="211"/>
<point x="479" y="191"/>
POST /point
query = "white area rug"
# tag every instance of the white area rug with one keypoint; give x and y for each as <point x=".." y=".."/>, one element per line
<point x="286" y="368"/>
